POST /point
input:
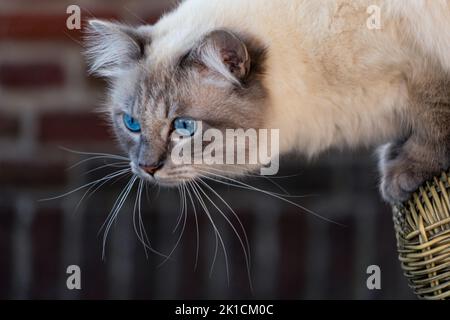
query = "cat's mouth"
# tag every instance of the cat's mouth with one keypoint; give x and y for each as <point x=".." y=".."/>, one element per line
<point x="164" y="177"/>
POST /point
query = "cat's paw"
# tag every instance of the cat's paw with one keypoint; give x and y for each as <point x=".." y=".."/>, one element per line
<point x="399" y="182"/>
<point x="403" y="173"/>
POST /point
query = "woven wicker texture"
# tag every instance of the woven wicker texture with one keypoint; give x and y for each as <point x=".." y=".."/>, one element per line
<point x="422" y="226"/>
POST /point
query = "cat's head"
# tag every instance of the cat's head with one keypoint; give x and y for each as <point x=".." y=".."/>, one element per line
<point x="160" y="101"/>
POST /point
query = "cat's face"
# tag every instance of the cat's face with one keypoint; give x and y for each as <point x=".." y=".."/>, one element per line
<point x="157" y="104"/>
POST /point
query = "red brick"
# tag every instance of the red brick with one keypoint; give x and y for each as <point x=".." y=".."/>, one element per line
<point x="29" y="26"/>
<point x="30" y="174"/>
<point x="73" y="127"/>
<point x="46" y="234"/>
<point x="9" y="126"/>
<point x="31" y="75"/>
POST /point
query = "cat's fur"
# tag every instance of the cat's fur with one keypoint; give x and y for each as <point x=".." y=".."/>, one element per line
<point x="315" y="71"/>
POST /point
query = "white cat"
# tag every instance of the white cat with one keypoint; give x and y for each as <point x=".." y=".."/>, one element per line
<point x="316" y="70"/>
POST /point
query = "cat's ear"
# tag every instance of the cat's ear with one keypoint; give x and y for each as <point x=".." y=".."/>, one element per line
<point x="224" y="53"/>
<point x="111" y="47"/>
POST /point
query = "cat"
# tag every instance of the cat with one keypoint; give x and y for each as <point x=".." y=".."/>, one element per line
<point x="313" y="69"/>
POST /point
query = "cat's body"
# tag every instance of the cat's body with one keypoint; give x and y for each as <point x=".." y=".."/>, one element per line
<point x="328" y="80"/>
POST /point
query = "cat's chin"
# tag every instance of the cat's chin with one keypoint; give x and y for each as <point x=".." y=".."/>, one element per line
<point x="170" y="183"/>
<point x="164" y="182"/>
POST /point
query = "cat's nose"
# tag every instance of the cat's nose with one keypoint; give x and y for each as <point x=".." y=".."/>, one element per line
<point x="151" y="168"/>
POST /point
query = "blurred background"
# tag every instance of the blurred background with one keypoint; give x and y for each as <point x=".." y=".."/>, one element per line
<point x="47" y="102"/>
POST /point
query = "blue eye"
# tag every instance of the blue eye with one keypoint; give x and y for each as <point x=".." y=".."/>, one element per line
<point x="131" y="123"/>
<point x="185" y="126"/>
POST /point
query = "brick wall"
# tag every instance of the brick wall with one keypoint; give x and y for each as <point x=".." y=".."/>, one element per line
<point x="46" y="101"/>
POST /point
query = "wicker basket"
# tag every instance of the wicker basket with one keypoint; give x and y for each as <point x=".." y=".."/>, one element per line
<point x="422" y="226"/>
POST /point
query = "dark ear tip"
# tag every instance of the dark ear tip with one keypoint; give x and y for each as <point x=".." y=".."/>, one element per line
<point x="102" y="26"/>
<point x="96" y="23"/>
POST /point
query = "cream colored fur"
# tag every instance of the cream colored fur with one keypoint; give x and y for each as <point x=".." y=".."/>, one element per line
<point x="332" y="81"/>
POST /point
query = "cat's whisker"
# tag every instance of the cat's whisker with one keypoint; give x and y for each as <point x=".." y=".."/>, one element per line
<point x="180" y="216"/>
<point x="94" y="153"/>
<point x="138" y="233"/>
<point x="88" y="192"/>
<point x="286" y="194"/>
<point x="196" y="227"/>
<point x="135" y="15"/>
<point x="118" y="200"/>
<point x="115" y="211"/>
<point x="109" y="165"/>
<point x="185" y="200"/>
<point x="107" y="177"/>
<point x="142" y="230"/>
<point x="77" y="164"/>
<point x="245" y="172"/>
<point x="183" y="214"/>
<point x="249" y="175"/>
<point x="242" y="185"/>
<point x="216" y="231"/>
<point x="139" y="228"/>
<point x="245" y="249"/>
<point x="276" y="184"/>
<point x="234" y="214"/>
<point x="196" y="187"/>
